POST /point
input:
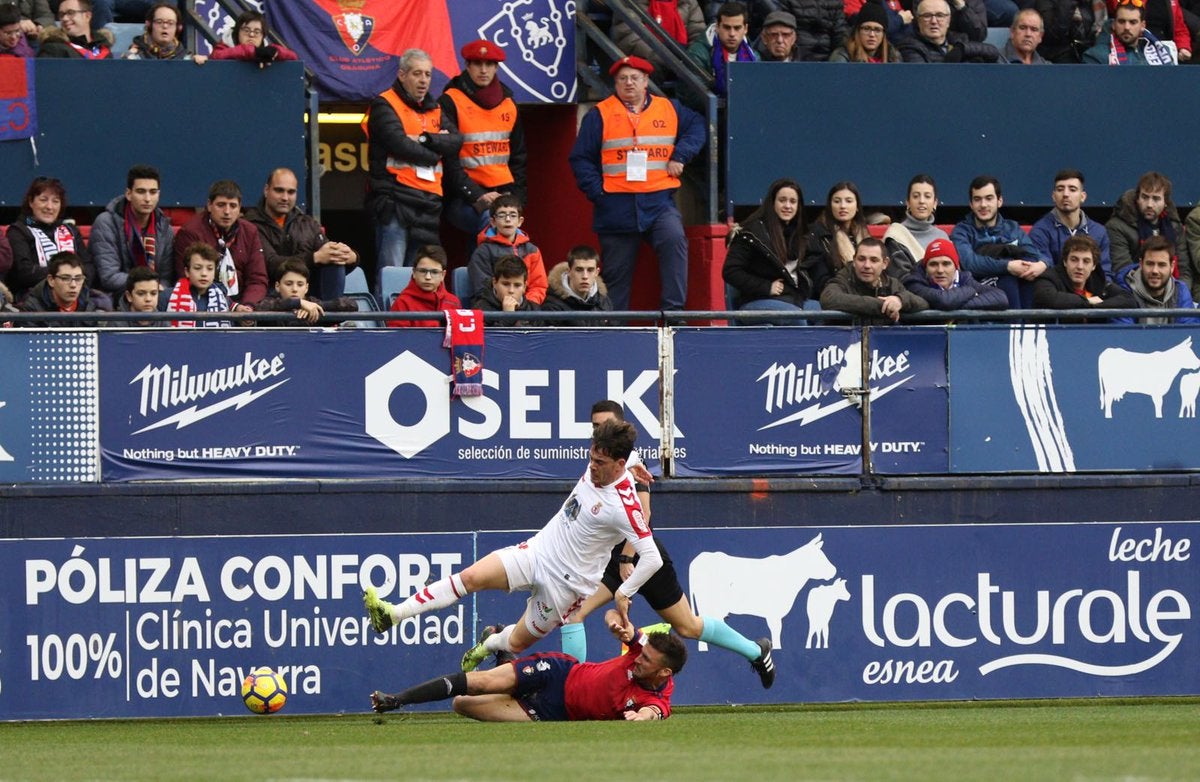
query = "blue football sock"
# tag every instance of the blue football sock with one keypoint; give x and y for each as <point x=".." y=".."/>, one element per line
<point x="574" y="641"/>
<point x="720" y="634"/>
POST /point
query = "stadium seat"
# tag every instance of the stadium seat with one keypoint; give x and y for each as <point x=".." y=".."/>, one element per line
<point x="365" y="303"/>
<point x="460" y="282"/>
<point x="392" y="280"/>
<point x="123" y="35"/>
<point x="356" y="282"/>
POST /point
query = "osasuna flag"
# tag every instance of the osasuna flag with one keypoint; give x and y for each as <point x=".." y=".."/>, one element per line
<point x="352" y="47"/>
<point x="18" y="100"/>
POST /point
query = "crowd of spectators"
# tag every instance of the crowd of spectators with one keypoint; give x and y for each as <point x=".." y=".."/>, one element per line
<point x="459" y="162"/>
<point x="1141" y="259"/>
<point x="1107" y="32"/>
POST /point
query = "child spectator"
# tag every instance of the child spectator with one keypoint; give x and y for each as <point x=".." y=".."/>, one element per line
<point x="507" y="291"/>
<point x="142" y="294"/>
<point x="198" y="290"/>
<point x="426" y="291"/>
<point x="576" y="286"/>
<point x="290" y="294"/>
<point x="505" y="237"/>
<point x="250" y="43"/>
<point x="63" y="290"/>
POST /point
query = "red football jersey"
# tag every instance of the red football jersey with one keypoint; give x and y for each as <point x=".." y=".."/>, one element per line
<point x="605" y="691"/>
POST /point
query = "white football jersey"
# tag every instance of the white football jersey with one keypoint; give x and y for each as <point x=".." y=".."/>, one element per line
<point x="576" y="545"/>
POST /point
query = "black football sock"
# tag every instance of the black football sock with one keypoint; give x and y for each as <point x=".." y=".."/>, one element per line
<point x="436" y="689"/>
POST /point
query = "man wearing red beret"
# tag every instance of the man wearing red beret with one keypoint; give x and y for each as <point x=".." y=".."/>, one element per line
<point x="627" y="160"/>
<point x="491" y="161"/>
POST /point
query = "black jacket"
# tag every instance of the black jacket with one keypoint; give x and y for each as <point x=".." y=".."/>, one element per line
<point x="820" y="27"/>
<point x="417" y="210"/>
<point x="751" y="266"/>
<point x="1055" y="291"/>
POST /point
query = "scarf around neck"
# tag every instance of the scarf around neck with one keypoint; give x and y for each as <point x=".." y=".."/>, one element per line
<point x="720" y="62"/>
<point x="1156" y="52"/>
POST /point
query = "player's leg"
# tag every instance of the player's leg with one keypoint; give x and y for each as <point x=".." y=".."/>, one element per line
<point x="487" y="573"/>
<point x="664" y="594"/>
<point x="490" y="708"/>
<point x="500" y="680"/>
<point x="571" y="635"/>
<point x="513" y="639"/>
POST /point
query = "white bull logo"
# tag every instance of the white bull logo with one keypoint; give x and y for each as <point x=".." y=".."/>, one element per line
<point x="1126" y="372"/>
<point x="720" y="584"/>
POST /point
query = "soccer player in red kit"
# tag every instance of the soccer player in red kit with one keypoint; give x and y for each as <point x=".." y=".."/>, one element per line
<point x="550" y="687"/>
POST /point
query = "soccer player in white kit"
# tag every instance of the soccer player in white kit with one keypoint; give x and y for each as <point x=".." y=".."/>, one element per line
<point x="560" y="566"/>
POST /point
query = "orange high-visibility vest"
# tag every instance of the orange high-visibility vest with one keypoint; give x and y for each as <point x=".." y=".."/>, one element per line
<point x="415" y="123"/>
<point x="487" y="137"/>
<point x="653" y="131"/>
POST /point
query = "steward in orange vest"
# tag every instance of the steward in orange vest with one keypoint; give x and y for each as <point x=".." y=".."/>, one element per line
<point x="408" y="143"/>
<point x="492" y="159"/>
<point x="627" y="160"/>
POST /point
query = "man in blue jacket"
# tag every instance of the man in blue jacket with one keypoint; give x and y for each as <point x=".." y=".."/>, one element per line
<point x="992" y="247"/>
<point x="627" y="160"/>
<point x="1152" y="284"/>
<point x="1067" y="219"/>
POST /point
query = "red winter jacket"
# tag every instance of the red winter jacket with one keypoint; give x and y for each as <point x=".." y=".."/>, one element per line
<point x="413" y="299"/>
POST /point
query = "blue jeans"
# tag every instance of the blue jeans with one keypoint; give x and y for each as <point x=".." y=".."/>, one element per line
<point x="329" y="281"/>
<point x="1018" y="291"/>
<point x="618" y="254"/>
<point x="391" y="244"/>
<point x="761" y="305"/>
<point x="1000" y="13"/>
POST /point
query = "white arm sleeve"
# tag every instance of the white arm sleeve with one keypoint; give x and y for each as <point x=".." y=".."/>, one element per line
<point x="649" y="561"/>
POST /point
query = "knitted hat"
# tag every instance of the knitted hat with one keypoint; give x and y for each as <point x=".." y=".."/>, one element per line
<point x="481" y="50"/>
<point x="941" y="248"/>
<point x="9" y="14"/>
<point x="872" y="12"/>
<point x="637" y="63"/>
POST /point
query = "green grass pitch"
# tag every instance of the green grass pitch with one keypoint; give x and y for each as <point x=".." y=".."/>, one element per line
<point x="1028" y="740"/>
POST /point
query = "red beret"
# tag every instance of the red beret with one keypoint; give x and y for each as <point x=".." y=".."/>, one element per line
<point x="636" y="63"/>
<point x="941" y="248"/>
<point x="483" y="50"/>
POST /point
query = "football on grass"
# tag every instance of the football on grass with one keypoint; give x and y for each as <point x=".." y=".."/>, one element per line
<point x="264" y="691"/>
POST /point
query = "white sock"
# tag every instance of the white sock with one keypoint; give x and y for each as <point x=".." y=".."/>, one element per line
<point x="498" y="642"/>
<point x="437" y="595"/>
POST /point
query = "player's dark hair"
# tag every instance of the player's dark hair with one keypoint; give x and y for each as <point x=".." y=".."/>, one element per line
<point x="609" y="406"/>
<point x="672" y="649"/>
<point x="141" y="172"/>
<point x="614" y="439"/>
